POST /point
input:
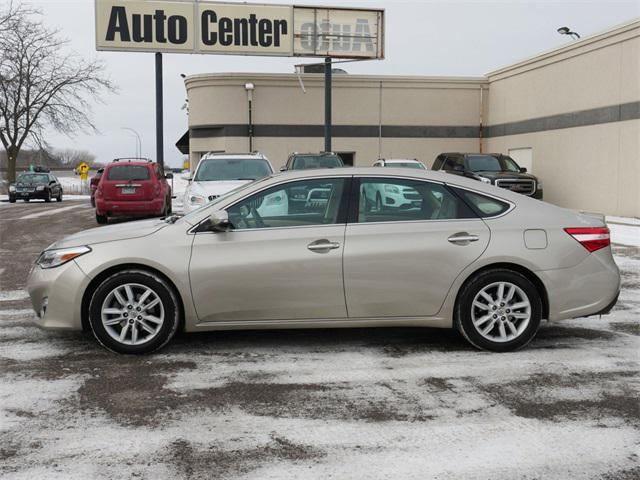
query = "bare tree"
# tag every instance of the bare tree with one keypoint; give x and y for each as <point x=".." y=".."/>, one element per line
<point x="41" y="86"/>
<point x="69" y="157"/>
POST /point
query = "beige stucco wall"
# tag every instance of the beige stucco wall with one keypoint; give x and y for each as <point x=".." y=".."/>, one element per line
<point x="357" y="100"/>
<point x="594" y="167"/>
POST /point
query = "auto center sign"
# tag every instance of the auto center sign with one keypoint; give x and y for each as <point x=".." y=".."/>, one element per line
<point x="238" y="29"/>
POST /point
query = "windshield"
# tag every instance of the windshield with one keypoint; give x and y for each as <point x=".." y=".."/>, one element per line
<point x="33" y="178"/>
<point x="405" y="165"/>
<point x="128" y="172"/>
<point x="304" y="162"/>
<point x="489" y="163"/>
<point x="218" y="169"/>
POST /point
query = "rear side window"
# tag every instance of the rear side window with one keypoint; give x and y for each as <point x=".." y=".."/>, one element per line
<point x="484" y="206"/>
<point x="397" y="200"/>
<point x="128" y="172"/>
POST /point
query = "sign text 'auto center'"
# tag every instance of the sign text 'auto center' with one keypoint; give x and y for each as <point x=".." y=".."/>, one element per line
<point x="240" y="29"/>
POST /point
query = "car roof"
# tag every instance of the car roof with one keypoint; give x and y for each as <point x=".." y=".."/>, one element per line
<point x="125" y="163"/>
<point x="473" y="153"/>
<point x="223" y="155"/>
<point x="399" y="160"/>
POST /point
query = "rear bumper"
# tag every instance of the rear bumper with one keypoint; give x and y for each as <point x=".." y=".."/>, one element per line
<point x="129" y="208"/>
<point x="589" y="288"/>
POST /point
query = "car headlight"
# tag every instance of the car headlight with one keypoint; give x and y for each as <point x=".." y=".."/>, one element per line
<point x="60" y="256"/>
<point x="539" y="185"/>
<point x="40" y="188"/>
<point x="484" y="180"/>
<point x="391" y="189"/>
<point x="12" y="188"/>
<point x="197" y="200"/>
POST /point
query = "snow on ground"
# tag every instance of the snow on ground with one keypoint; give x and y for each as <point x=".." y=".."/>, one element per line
<point x="379" y="403"/>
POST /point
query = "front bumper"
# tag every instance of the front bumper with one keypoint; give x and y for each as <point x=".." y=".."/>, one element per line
<point x="37" y="195"/>
<point x="130" y="208"/>
<point x="537" y="194"/>
<point x="589" y="288"/>
<point x="62" y="287"/>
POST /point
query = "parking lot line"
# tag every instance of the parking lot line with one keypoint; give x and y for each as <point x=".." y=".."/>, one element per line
<point x="49" y="211"/>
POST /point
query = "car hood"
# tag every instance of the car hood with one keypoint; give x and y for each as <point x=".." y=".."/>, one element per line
<point x="217" y="188"/>
<point x="506" y="175"/>
<point x="110" y="233"/>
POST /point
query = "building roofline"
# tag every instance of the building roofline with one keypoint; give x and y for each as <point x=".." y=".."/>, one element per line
<point x="570" y="49"/>
<point x="319" y="77"/>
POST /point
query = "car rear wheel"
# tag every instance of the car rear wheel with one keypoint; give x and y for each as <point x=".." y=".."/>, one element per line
<point x="59" y="197"/>
<point x="134" y="312"/>
<point x="12" y="199"/>
<point x="102" y="219"/>
<point x="499" y="310"/>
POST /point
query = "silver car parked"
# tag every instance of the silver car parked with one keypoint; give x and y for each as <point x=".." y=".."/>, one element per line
<point x="460" y="254"/>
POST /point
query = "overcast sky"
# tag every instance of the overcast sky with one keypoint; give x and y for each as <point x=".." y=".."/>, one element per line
<point x="467" y="38"/>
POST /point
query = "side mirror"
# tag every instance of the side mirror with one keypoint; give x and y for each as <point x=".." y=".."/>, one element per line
<point x="283" y="168"/>
<point x="219" y="221"/>
<point x="52" y="182"/>
<point x="169" y="176"/>
<point x="523" y="170"/>
<point x="186" y="176"/>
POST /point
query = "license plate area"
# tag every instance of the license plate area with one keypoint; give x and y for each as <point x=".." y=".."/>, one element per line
<point x="128" y="191"/>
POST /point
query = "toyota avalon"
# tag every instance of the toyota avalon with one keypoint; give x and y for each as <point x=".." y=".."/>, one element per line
<point x="303" y="249"/>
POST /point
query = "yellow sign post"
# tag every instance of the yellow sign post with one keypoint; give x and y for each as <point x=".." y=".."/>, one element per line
<point x="83" y="170"/>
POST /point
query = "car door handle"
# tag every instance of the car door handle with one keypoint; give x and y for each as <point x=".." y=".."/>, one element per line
<point x="323" y="246"/>
<point x="463" y="238"/>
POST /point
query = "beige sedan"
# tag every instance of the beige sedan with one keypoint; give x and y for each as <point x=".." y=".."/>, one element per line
<point x="306" y="250"/>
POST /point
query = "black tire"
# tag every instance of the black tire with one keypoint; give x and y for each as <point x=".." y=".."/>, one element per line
<point x="26" y="200"/>
<point x="93" y="202"/>
<point x="59" y="197"/>
<point x="48" y="197"/>
<point x="464" y="307"/>
<point x="164" y="291"/>
<point x="12" y="199"/>
<point x="102" y="219"/>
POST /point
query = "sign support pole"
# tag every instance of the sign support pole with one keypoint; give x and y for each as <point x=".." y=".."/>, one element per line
<point x="159" y="114"/>
<point x="327" y="104"/>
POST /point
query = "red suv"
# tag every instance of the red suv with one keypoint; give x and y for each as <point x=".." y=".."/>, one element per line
<point x="132" y="188"/>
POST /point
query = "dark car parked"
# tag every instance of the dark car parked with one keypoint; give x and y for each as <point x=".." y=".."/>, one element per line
<point x="493" y="168"/>
<point x="93" y="185"/>
<point x="305" y="161"/>
<point x="35" y="185"/>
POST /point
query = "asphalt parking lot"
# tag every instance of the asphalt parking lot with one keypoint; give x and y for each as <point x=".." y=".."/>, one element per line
<point x="385" y="403"/>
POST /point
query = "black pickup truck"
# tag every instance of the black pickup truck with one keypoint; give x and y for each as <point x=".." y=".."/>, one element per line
<point x="493" y="168"/>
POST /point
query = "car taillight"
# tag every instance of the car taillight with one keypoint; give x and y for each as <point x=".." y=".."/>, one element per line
<point x="591" y="238"/>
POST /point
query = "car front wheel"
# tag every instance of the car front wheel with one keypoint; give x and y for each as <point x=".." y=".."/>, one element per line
<point x="134" y="312"/>
<point x="498" y="310"/>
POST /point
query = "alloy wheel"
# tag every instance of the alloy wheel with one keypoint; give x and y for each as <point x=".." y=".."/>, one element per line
<point x="132" y="314"/>
<point x="501" y="312"/>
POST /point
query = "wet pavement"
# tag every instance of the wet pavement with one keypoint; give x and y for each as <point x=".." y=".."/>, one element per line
<point x="380" y="403"/>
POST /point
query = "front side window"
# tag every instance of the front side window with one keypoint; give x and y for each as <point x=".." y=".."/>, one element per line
<point x="218" y="169"/>
<point x="294" y="204"/>
<point x="128" y="172"/>
<point x="396" y="200"/>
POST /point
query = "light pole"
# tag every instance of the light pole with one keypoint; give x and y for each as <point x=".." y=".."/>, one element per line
<point x="138" y="141"/>
<point x="250" y="87"/>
